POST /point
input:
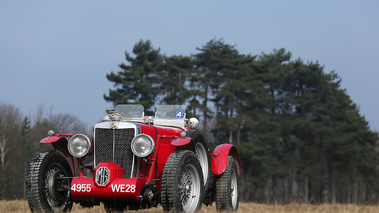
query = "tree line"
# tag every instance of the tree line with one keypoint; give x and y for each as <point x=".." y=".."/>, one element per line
<point x="20" y="139"/>
<point x="301" y="137"/>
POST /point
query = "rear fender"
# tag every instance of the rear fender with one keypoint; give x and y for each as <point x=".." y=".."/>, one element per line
<point x="184" y="143"/>
<point x="220" y="158"/>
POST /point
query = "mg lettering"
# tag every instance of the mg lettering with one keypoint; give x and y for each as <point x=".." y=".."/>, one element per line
<point x="102" y="176"/>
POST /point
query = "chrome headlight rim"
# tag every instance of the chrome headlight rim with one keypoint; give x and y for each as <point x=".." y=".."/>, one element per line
<point x="149" y="139"/>
<point x="70" y="145"/>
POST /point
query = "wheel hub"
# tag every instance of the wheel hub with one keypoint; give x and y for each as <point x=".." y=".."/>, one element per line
<point x="55" y="185"/>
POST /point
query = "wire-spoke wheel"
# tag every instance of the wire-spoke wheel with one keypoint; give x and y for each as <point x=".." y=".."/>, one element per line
<point x="48" y="182"/>
<point x="202" y="154"/>
<point x="227" y="188"/>
<point x="189" y="188"/>
<point x="182" y="183"/>
<point x="234" y="189"/>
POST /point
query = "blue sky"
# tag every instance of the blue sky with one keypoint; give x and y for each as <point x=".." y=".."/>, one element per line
<point x="56" y="54"/>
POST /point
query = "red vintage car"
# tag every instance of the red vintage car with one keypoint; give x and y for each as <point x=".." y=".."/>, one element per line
<point x="135" y="162"/>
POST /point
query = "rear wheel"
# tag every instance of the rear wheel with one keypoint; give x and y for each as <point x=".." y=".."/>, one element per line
<point x="202" y="154"/>
<point x="182" y="183"/>
<point x="48" y="183"/>
<point x="227" y="187"/>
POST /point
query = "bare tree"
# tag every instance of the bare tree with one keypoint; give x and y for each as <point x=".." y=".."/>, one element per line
<point x="67" y="123"/>
<point x="60" y="123"/>
<point x="11" y="165"/>
<point x="3" y="151"/>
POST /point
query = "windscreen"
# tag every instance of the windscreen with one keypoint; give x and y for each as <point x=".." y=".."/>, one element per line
<point x="170" y="111"/>
<point x="130" y="110"/>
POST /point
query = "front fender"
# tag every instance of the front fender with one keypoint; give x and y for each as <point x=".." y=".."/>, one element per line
<point x="59" y="143"/>
<point x="183" y="143"/>
<point x="55" y="138"/>
<point x="220" y="158"/>
<point x="50" y="139"/>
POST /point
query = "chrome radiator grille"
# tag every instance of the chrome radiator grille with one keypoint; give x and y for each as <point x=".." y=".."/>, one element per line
<point x="113" y="145"/>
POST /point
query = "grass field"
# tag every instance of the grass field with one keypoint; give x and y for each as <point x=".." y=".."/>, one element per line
<point x="22" y="206"/>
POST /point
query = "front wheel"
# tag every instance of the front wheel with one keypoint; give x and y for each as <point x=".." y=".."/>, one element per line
<point x="182" y="183"/>
<point x="227" y="187"/>
<point x="48" y="183"/>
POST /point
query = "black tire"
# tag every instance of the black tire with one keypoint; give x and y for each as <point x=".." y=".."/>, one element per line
<point x="202" y="153"/>
<point x="182" y="183"/>
<point x="45" y="190"/>
<point x="227" y="198"/>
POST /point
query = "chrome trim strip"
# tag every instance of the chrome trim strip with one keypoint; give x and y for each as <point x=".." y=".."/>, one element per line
<point x="114" y="140"/>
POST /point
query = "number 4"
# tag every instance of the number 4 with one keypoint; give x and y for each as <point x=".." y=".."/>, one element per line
<point x="73" y="188"/>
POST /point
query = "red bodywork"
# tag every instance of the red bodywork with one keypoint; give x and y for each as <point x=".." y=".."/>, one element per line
<point x="167" y="140"/>
<point x="118" y="187"/>
<point x="220" y="158"/>
<point x="150" y="173"/>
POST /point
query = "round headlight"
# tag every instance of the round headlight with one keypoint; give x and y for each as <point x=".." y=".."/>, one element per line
<point x="143" y="145"/>
<point x="79" y="145"/>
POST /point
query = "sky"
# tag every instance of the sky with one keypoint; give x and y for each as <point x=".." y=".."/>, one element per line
<point x="56" y="54"/>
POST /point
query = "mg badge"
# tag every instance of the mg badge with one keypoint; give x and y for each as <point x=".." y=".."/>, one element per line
<point x="102" y="176"/>
<point x="114" y="125"/>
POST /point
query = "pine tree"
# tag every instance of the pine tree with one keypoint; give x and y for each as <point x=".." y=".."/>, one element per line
<point x="138" y="81"/>
<point x="26" y="146"/>
<point x="175" y="79"/>
<point x="220" y="73"/>
<point x="203" y="78"/>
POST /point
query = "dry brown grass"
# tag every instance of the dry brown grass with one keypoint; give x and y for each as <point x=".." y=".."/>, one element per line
<point x="18" y="206"/>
